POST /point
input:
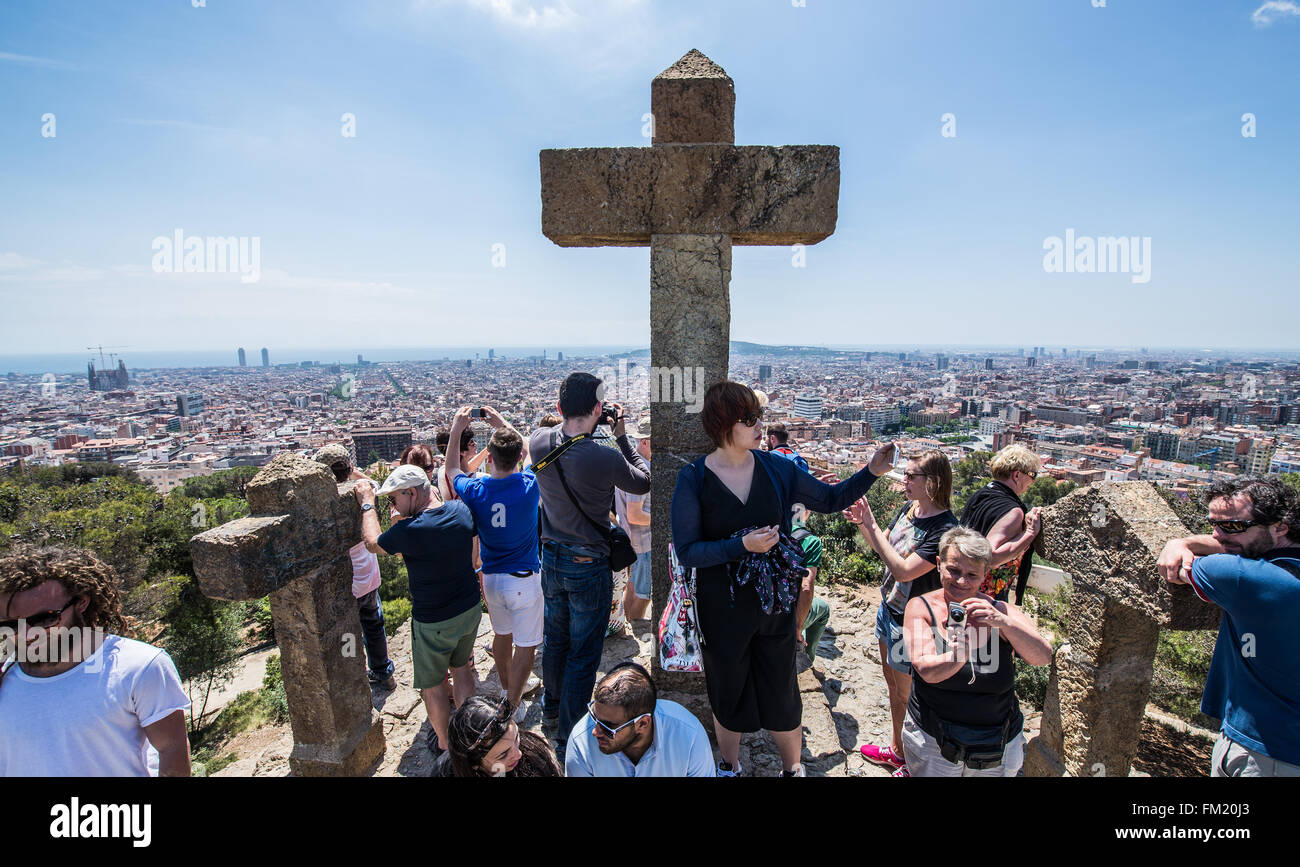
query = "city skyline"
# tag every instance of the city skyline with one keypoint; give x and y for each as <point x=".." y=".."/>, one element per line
<point x="970" y="139"/>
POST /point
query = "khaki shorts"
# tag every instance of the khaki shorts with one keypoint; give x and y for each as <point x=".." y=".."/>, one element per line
<point x="437" y="647"/>
<point x="925" y="759"/>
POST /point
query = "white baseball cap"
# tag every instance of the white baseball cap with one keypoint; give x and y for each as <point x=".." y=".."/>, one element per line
<point x="405" y="476"/>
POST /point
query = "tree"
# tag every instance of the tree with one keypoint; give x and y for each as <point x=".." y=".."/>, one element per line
<point x="969" y="475"/>
<point x="204" y="640"/>
<point x="1045" y="491"/>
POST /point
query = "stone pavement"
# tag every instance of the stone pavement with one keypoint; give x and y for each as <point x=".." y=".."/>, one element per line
<point x="843" y="708"/>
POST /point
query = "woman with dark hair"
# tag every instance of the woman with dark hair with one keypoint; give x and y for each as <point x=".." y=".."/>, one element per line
<point x="910" y="551"/>
<point x="486" y="742"/>
<point x="731" y="516"/>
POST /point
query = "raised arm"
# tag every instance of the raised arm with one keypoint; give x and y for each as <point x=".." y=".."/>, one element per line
<point x="1012" y="536"/>
<point x="1175" y="563"/>
<point x="452" y="468"/>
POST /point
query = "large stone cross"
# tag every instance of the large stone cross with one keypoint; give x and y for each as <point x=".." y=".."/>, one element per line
<point x="295" y="547"/>
<point x="688" y="197"/>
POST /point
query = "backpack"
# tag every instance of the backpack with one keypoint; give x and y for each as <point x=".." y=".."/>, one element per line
<point x="791" y="454"/>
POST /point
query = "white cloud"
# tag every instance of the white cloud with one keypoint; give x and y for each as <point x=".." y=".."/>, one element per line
<point x="42" y="62"/>
<point x="542" y="15"/>
<point x="1274" y="10"/>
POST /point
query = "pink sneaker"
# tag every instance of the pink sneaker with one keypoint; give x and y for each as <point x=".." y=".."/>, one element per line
<point x="883" y="756"/>
<point x="902" y="772"/>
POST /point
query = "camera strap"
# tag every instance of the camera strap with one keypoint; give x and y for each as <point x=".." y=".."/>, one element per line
<point x="938" y="637"/>
<point x="554" y="454"/>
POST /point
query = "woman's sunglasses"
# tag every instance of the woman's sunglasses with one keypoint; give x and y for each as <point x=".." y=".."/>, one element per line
<point x="500" y="724"/>
<point x="751" y="419"/>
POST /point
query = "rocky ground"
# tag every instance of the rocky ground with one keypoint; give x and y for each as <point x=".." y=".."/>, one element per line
<point x="845" y="706"/>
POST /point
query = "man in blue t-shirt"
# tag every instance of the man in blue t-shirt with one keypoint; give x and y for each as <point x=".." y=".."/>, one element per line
<point x="1249" y="567"/>
<point x="505" y="511"/>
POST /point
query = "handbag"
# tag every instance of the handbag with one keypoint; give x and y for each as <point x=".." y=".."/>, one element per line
<point x="621" y="553"/>
<point x="679" y="628"/>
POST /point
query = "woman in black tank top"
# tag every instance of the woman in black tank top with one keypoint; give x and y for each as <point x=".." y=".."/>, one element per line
<point x="963" y="676"/>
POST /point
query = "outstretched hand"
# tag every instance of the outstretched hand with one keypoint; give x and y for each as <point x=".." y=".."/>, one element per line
<point x="883" y="460"/>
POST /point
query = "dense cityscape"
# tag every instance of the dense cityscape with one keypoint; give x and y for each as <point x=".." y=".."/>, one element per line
<point x="1179" y="420"/>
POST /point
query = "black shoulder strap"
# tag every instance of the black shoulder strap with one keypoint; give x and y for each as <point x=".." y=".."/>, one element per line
<point x="1290" y="564"/>
<point x="554" y="454"/>
<point x="934" y="626"/>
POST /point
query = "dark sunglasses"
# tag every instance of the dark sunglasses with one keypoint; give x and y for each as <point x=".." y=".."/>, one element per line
<point x="916" y="475"/>
<point x="500" y="723"/>
<point x="612" y="731"/>
<point x="1232" y="528"/>
<point x="39" y="621"/>
<point x="751" y="419"/>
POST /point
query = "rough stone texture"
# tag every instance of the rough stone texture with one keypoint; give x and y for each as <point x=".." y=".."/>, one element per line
<point x="1108" y="536"/>
<point x="689" y="197"/>
<point x="693" y="101"/>
<point x="690" y="320"/>
<point x="295" y="548"/>
<point x="620" y="197"/>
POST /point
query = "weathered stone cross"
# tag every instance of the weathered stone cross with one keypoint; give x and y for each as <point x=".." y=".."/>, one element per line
<point x="295" y="547"/>
<point x="689" y="197"/>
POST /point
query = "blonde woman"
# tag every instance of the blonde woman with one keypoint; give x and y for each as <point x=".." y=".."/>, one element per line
<point x="910" y="552"/>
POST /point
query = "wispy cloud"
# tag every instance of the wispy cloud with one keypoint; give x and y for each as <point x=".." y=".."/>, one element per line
<point x="1275" y="10"/>
<point x="42" y="62"/>
<point x="524" y="14"/>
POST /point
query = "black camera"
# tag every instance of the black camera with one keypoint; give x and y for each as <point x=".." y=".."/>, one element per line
<point x="608" y="415"/>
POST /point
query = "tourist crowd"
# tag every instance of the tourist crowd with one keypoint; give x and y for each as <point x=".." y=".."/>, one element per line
<point x="532" y="530"/>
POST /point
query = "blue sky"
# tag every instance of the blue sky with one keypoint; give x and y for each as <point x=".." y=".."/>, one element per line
<point x="1124" y="120"/>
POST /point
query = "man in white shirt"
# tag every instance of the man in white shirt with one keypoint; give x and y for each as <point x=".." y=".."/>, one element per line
<point x="365" y="581"/>
<point x="629" y="732"/>
<point x="77" y="698"/>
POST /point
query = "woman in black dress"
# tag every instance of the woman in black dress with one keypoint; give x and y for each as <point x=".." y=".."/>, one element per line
<point x="749" y="628"/>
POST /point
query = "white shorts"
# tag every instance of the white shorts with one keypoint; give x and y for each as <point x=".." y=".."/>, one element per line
<point x="925" y="759"/>
<point x="516" y="606"/>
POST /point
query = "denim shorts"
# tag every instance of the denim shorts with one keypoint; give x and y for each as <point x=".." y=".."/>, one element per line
<point x="892" y="634"/>
<point x="639" y="573"/>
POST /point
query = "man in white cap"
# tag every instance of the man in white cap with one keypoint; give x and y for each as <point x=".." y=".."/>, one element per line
<point x="436" y="540"/>
<point x="365" y="581"/>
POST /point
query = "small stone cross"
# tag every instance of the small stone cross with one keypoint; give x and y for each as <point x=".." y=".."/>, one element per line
<point x="295" y="547"/>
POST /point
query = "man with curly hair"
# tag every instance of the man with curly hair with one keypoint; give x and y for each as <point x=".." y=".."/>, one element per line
<point x="77" y="696"/>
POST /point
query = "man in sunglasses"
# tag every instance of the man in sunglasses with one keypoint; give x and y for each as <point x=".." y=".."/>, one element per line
<point x="629" y="732"/>
<point x="1249" y="567"/>
<point x="79" y="699"/>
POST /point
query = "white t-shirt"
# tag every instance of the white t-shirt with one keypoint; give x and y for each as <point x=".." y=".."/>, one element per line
<point x="89" y="721"/>
<point x="365" y="570"/>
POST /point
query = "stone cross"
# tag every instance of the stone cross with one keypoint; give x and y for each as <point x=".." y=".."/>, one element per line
<point x="295" y="547"/>
<point x="1108" y="536"/>
<point x="689" y="196"/>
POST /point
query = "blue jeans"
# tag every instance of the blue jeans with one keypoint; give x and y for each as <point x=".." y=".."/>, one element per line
<point x="372" y="632"/>
<point x="577" y="597"/>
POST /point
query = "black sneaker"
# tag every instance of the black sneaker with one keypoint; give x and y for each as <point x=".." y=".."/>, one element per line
<point x="432" y="742"/>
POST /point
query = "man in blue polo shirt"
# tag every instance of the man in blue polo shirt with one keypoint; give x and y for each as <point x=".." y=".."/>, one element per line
<point x="629" y="732"/>
<point x="505" y="505"/>
<point x="1249" y="567"/>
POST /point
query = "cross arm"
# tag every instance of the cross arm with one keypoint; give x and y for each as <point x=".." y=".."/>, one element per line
<point x="759" y="195"/>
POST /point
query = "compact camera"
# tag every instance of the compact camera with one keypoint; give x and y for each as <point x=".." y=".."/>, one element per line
<point x="956" y="615"/>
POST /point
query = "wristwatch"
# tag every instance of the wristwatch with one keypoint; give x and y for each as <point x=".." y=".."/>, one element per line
<point x="366" y="507"/>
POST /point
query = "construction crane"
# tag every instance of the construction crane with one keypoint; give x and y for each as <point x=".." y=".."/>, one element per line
<point x="102" y="363"/>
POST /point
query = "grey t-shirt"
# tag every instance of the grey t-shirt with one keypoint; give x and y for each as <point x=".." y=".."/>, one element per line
<point x="593" y="472"/>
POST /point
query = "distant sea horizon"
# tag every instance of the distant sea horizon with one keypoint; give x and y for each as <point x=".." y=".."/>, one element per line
<point x="75" y="362"/>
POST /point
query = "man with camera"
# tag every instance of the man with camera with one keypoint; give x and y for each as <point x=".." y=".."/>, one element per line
<point x="577" y="477"/>
<point x="1249" y="567"/>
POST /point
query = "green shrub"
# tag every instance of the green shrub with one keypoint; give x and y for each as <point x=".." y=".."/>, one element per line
<point x="273" y="698"/>
<point x="1031" y="682"/>
<point x="261" y="614"/>
<point x="396" y="612"/>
